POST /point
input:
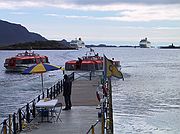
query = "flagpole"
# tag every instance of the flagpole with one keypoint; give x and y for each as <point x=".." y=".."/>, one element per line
<point x="110" y="106"/>
<point x="104" y="69"/>
<point x="42" y="82"/>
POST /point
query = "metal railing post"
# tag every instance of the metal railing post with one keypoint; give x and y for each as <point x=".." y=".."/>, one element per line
<point x="92" y="129"/>
<point x="43" y="95"/>
<point x="14" y="124"/>
<point x="51" y="93"/>
<point x="20" y="120"/>
<point x="39" y="98"/>
<point x="4" y="127"/>
<point x="47" y="93"/>
<point x="61" y="85"/>
<point x="90" y="75"/>
<point x="10" y="124"/>
<point x="27" y="113"/>
<point x="102" y="123"/>
<point x="54" y="93"/>
<point x="34" y="109"/>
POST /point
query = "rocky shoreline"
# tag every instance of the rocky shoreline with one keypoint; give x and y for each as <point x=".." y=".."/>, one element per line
<point x="40" y="45"/>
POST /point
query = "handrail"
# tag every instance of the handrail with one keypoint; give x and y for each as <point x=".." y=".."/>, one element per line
<point x="28" y="112"/>
<point x="92" y="127"/>
<point x="106" y="117"/>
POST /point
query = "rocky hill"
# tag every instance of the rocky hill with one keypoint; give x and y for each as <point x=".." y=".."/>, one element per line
<point x="11" y="33"/>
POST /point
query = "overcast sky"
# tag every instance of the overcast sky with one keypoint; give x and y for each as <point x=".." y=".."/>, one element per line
<point x="98" y="21"/>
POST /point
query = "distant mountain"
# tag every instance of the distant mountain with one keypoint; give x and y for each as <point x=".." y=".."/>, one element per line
<point x="11" y="33"/>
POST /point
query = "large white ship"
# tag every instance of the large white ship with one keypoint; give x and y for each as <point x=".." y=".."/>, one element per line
<point x="77" y="42"/>
<point x="144" y="43"/>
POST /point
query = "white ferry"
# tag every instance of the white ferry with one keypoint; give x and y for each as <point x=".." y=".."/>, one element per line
<point x="144" y="43"/>
<point x="77" y="42"/>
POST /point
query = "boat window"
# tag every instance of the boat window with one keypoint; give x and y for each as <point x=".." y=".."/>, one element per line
<point x="27" y="61"/>
<point x="18" y="61"/>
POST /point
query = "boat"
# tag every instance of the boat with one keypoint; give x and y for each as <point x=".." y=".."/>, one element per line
<point x="77" y="43"/>
<point x="144" y="43"/>
<point x="90" y="62"/>
<point x="24" y="60"/>
<point x="170" y="47"/>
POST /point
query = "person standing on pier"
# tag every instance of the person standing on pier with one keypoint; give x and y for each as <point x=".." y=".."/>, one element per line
<point x="67" y="84"/>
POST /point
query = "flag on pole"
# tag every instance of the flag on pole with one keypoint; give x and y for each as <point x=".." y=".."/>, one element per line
<point x="111" y="70"/>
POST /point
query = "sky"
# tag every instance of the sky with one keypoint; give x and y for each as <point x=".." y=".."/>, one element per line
<point x="119" y="22"/>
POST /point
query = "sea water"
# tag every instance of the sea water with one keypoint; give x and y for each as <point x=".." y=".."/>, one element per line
<point x="147" y="101"/>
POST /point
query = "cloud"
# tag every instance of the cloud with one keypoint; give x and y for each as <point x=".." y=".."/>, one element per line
<point x="52" y="15"/>
<point x="19" y="13"/>
<point x="138" y="13"/>
<point x="121" y="10"/>
<point x="98" y="2"/>
<point x="107" y="2"/>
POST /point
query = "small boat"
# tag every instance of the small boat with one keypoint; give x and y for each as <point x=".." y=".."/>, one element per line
<point x="24" y="60"/>
<point x="90" y="62"/>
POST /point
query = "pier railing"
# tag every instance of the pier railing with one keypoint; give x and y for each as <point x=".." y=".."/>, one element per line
<point x="16" y="122"/>
<point x="106" y="111"/>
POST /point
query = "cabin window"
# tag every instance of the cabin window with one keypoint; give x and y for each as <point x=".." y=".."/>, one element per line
<point x="18" y="61"/>
<point x="27" y="61"/>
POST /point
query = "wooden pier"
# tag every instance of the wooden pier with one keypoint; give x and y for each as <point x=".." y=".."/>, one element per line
<point x="87" y="115"/>
<point x="81" y="117"/>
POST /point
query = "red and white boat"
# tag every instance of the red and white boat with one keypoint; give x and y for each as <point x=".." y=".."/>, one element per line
<point x="90" y="62"/>
<point x="24" y="60"/>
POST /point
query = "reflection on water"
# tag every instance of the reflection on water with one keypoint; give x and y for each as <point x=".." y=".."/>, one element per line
<point x="148" y="101"/>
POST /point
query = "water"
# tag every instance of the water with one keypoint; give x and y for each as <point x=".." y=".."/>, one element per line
<point x="148" y="101"/>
